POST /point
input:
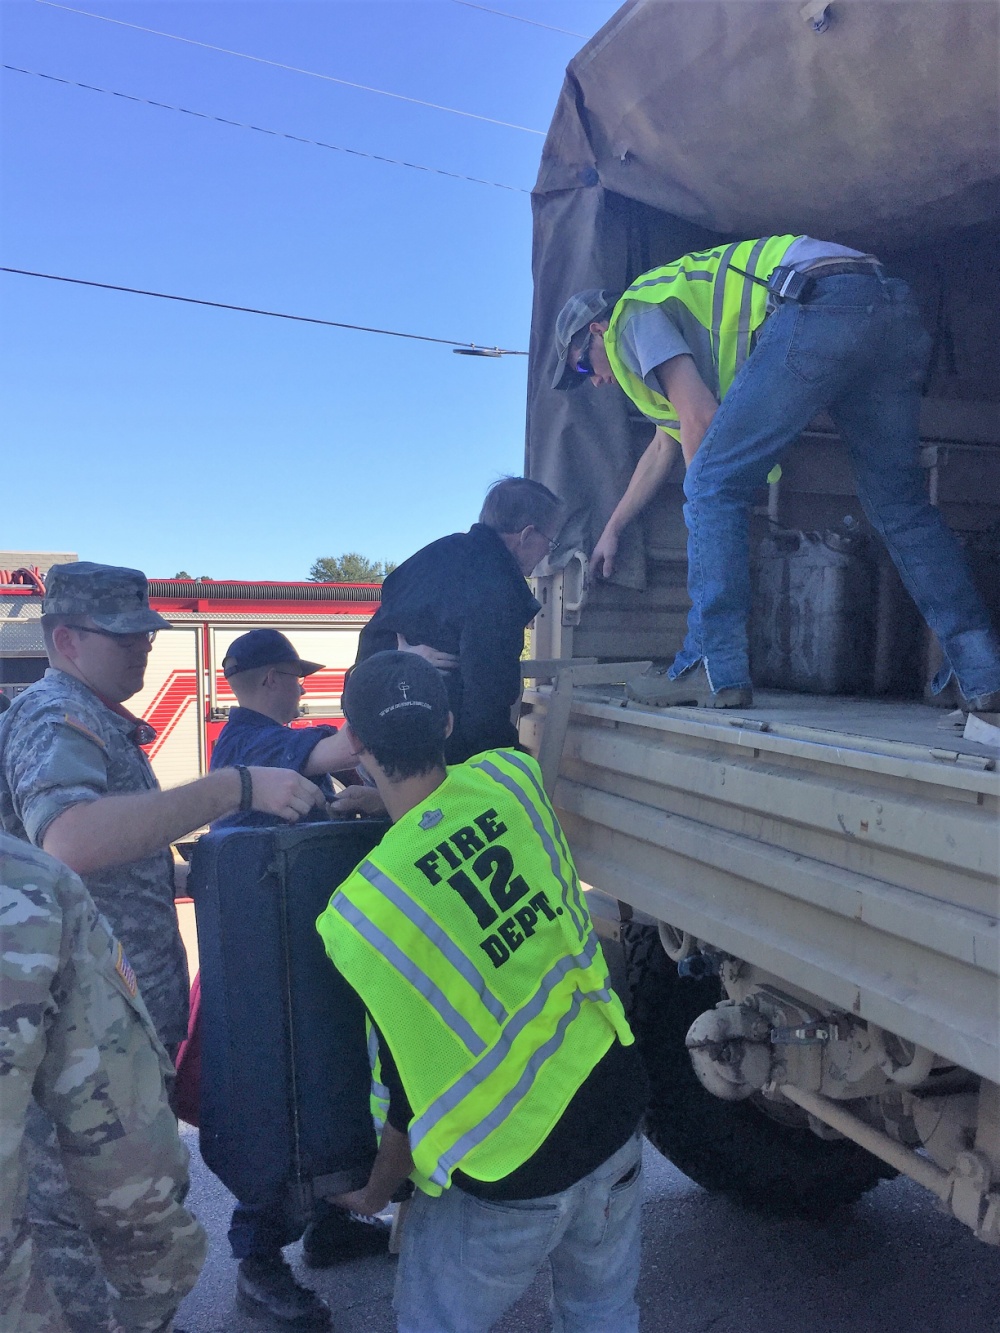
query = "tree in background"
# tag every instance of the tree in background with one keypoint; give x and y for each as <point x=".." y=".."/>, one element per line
<point x="182" y="574"/>
<point x="350" y="568"/>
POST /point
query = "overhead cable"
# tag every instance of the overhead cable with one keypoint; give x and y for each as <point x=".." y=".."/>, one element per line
<point x="521" y="19"/>
<point x="260" y="129"/>
<point x="292" y="69"/>
<point x="272" y="314"/>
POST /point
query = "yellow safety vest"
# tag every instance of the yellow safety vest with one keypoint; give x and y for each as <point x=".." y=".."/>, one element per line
<point x="705" y="297"/>
<point x="467" y="936"/>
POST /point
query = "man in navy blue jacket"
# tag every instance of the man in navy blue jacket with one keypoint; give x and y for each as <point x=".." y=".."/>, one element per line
<point x="266" y="675"/>
<point x="465" y="596"/>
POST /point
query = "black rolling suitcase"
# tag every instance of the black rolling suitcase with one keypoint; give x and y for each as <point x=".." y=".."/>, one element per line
<point x="285" y="1078"/>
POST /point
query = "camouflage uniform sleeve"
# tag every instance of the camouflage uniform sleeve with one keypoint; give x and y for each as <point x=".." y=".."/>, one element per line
<point x="31" y="931"/>
<point x="54" y="760"/>
<point x="101" y="1077"/>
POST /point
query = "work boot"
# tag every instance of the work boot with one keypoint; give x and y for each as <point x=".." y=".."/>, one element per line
<point x="984" y="703"/>
<point x="654" y="687"/>
<point x="266" y="1288"/>
<point x="341" y="1236"/>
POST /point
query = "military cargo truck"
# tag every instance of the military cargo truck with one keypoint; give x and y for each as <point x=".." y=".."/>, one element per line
<point x="806" y="890"/>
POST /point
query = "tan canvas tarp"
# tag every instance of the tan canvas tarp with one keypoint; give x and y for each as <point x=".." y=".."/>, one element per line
<point x="686" y="120"/>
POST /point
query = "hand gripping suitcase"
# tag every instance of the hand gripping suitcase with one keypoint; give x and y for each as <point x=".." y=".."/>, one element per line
<point x="285" y="1076"/>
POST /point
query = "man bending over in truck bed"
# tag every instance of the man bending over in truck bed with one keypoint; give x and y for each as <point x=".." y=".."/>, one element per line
<point x="775" y="330"/>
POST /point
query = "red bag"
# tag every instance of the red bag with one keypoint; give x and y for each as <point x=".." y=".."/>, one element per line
<point x="187" y="1087"/>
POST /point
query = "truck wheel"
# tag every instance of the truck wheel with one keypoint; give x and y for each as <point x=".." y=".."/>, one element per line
<point x="731" y="1148"/>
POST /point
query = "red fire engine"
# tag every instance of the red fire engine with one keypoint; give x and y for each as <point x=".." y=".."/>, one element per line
<point x="186" y="698"/>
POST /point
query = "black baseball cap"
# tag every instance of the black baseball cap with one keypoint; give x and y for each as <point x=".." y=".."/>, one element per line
<point x="395" y="702"/>
<point x="264" y="648"/>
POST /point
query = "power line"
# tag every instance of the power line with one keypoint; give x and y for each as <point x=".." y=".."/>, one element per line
<point x="273" y="314"/>
<point x="520" y="19"/>
<point x="292" y="69"/>
<point x="260" y="129"/>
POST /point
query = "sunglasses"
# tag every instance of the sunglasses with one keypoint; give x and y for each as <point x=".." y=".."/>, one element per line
<point x="583" y="365"/>
<point x="122" y="640"/>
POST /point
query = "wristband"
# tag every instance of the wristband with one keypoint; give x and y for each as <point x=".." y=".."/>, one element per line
<point x="246" y="789"/>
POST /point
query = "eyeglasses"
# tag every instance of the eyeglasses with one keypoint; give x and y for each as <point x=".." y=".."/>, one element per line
<point x="123" y="640"/>
<point x="293" y="675"/>
<point x="552" y="542"/>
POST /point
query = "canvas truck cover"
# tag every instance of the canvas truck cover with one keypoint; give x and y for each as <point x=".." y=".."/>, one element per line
<point x="875" y="123"/>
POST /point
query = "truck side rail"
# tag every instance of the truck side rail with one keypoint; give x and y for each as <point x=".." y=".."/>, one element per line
<point x="860" y="870"/>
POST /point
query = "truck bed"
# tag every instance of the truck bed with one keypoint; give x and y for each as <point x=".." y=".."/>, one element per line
<point x="871" y="724"/>
<point x="849" y="846"/>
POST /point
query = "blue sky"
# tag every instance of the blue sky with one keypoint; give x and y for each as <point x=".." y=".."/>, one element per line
<point x="148" y="433"/>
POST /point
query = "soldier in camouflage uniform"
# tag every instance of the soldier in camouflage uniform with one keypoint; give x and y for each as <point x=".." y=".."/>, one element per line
<point x="74" y="781"/>
<point x="76" y="1036"/>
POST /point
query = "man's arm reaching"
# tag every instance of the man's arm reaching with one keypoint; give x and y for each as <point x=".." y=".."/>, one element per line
<point x="696" y="406"/>
<point x="650" y="473"/>
<point x="393" y="1164"/>
<point x="330" y="755"/>
<point x="113" y="830"/>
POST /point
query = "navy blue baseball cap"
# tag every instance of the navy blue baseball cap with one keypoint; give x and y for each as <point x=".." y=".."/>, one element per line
<point x="264" y="648"/>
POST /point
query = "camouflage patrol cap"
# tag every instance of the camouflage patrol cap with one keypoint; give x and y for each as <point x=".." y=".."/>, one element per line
<point x="114" y="598"/>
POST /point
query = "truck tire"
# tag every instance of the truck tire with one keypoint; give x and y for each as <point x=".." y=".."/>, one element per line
<point x="730" y="1148"/>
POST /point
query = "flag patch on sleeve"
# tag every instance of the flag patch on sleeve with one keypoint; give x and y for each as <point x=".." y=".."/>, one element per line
<point x="84" y="731"/>
<point x="124" y="969"/>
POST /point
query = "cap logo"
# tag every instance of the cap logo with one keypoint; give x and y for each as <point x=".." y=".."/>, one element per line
<point x="404" y="689"/>
<point x="407" y="703"/>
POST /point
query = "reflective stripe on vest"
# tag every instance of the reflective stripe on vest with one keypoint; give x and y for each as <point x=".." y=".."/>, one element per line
<point x="419" y="980"/>
<point x="537" y="807"/>
<point x="424" y="1124"/>
<point x="704" y="287"/>
<point x="379" y="1096"/>
<point x="467" y="936"/>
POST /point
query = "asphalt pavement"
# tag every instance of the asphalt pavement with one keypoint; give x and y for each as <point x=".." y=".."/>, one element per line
<point x="891" y="1264"/>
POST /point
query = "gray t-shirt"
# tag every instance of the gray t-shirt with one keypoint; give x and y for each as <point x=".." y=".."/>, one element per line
<point x="804" y="250"/>
<point x="60" y="745"/>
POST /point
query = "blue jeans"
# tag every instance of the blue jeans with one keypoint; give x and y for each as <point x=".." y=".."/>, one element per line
<point x="465" y="1260"/>
<point x="264" y="1232"/>
<point x="857" y="350"/>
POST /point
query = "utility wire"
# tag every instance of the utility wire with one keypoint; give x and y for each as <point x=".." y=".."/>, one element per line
<point x="520" y="19"/>
<point x="273" y="314"/>
<point x="260" y="129"/>
<point x="292" y="69"/>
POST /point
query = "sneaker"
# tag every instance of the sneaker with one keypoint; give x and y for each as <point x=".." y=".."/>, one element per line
<point x="340" y="1236"/>
<point x="266" y="1288"/>
<point x="656" y="689"/>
